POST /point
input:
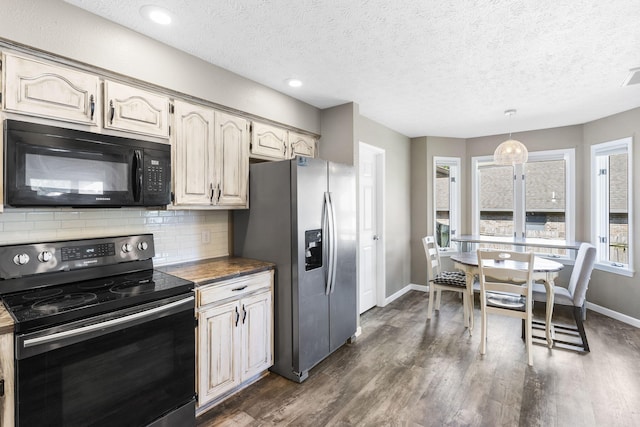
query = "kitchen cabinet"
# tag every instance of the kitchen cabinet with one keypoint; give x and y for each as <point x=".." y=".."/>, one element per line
<point x="211" y="158"/>
<point x="48" y="90"/>
<point x="301" y="145"/>
<point x="269" y="142"/>
<point x="235" y="334"/>
<point x="131" y="109"/>
<point x="7" y="378"/>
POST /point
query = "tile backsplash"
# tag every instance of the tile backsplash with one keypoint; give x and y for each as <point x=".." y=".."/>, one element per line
<point x="179" y="236"/>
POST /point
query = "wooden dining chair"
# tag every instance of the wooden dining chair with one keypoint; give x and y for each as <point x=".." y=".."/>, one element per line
<point x="574" y="296"/>
<point x="506" y="282"/>
<point x="439" y="281"/>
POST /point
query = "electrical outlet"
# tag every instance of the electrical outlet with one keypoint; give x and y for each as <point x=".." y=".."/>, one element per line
<point x="205" y="237"/>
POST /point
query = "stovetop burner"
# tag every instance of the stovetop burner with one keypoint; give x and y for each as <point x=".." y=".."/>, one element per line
<point x="63" y="302"/>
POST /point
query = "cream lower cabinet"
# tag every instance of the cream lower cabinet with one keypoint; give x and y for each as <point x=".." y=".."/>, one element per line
<point x="48" y="90"/>
<point x="7" y="414"/>
<point x="234" y="335"/>
<point x="210" y="158"/>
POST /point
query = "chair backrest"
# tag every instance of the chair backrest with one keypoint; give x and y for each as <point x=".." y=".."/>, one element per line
<point x="433" y="256"/>
<point x="506" y="271"/>
<point x="579" y="281"/>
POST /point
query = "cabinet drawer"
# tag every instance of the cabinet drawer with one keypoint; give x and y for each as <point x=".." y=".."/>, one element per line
<point x="234" y="288"/>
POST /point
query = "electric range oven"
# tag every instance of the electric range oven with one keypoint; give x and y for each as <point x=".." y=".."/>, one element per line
<point x="101" y="338"/>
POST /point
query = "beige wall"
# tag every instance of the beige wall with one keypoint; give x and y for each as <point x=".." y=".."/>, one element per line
<point x="397" y="204"/>
<point x="338" y="140"/>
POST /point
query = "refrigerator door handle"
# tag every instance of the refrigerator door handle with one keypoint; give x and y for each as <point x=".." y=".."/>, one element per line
<point x="334" y="244"/>
<point x="326" y="244"/>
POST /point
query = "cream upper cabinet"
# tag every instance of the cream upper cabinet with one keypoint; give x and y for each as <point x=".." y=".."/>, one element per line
<point x="269" y="142"/>
<point x="47" y="90"/>
<point x="193" y="156"/>
<point x="131" y="109"/>
<point x="302" y="145"/>
<point x="211" y="157"/>
<point x="232" y="160"/>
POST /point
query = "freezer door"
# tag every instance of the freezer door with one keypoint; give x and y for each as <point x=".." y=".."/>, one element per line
<point x="310" y="300"/>
<point x="343" y="295"/>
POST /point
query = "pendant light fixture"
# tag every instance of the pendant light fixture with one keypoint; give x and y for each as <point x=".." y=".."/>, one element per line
<point x="511" y="151"/>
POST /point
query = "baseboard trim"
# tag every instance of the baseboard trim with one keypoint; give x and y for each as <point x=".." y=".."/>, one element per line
<point x="614" y="314"/>
<point x="401" y="292"/>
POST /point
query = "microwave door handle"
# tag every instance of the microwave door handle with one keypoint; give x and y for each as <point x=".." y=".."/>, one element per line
<point x="137" y="175"/>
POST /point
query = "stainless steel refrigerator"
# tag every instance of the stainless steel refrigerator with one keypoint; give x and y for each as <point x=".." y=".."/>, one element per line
<point x="302" y="217"/>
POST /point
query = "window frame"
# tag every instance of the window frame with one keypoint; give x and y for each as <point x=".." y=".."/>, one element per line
<point x="600" y="204"/>
<point x="455" y="199"/>
<point x="519" y="191"/>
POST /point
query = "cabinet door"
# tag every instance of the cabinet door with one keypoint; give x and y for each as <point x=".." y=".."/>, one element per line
<point x="46" y="90"/>
<point x="135" y="110"/>
<point x="218" y="351"/>
<point x="232" y="160"/>
<point x="302" y="145"/>
<point x="193" y="154"/>
<point x="7" y="413"/>
<point x="268" y="141"/>
<point x="256" y="334"/>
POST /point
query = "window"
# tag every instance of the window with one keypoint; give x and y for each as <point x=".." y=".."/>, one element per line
<point x="534" y="200"/>
<point x="611" y="206"/>
<point x="446" y="200"/>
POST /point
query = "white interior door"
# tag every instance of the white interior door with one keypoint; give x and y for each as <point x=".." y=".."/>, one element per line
<point x="371" y="270"/>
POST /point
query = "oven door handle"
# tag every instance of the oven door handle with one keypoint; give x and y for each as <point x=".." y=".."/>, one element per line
<point x="31" y="346"/>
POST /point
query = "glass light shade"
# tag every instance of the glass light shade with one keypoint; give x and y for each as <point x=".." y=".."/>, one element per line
<point x="510" y="152"/>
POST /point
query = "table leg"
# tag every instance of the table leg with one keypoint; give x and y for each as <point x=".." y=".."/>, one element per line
<point x="549" y="284"/>
<point x="469" y="296"/>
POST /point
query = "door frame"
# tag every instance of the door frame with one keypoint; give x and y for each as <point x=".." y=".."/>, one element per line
<point x="380" y="216"/>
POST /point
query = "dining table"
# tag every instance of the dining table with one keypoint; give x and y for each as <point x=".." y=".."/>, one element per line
<point x="544" y="270"/>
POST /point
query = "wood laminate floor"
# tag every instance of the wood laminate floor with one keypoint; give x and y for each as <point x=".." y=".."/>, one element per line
<point x="407" y="371"/>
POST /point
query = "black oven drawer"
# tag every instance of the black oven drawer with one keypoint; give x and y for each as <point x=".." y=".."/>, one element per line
<point x="126" y="368"/>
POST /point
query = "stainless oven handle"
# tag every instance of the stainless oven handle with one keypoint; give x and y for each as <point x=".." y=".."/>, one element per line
<point x="103" y="326"/>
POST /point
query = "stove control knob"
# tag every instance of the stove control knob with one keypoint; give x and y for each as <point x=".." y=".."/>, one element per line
<point x="143" y="246"/>
<point x="45" y="256"/>
<point x="127" y="247"/>
<point x="21" y="259"/>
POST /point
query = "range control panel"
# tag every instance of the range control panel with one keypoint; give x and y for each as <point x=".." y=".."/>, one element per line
<point x="35" y="258"/>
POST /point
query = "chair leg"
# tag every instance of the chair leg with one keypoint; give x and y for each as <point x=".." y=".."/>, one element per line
<point x="465" y="309"/>
<point x="578" y="314"/>
<point x="529" y="333"/>
<point x="483" y="326"/>
<point x="430" y="306"/>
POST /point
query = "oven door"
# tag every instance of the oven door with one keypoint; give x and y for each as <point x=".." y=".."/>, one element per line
<point x="46" y="170"/>
<point x="128" y="368"/>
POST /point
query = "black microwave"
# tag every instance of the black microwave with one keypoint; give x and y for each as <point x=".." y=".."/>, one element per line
<point x="52" y="166"/>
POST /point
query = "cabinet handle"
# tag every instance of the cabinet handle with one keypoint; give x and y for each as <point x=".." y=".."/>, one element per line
<point x="92" y="106"/>
<point x="240" y="288"/>
<point x="112" y="112"/>
<point x="211" y="191"/>
<point x="244" y="314"/>
<point x="237" y="316"/>
<point x="219" y="193"/>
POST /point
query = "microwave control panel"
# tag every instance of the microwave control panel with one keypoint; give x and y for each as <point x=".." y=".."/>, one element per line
<point x="157" y="177"/>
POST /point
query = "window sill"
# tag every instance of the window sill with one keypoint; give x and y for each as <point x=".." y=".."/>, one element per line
<point x="616" y="270"/>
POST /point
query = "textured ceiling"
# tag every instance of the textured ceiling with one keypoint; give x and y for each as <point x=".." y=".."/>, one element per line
<point x="420" y="67"/>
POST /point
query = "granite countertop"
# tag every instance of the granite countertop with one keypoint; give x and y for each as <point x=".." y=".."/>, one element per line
<point x="6" y="321"/>
<point x="216" y="269"/>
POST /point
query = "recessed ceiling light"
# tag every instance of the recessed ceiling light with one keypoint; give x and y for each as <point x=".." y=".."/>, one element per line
<point x="156" y="14"/>
<point x="294" y="82"/>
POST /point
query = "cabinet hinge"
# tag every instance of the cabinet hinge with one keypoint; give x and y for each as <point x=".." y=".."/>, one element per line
<point x="195" y="322"/>
<point x="250" y="146"/>
<point x="172" y="109"/>
<point x="251" y="127"/>
<point x="169" y="130"/>
<point x="173" y="197"/>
